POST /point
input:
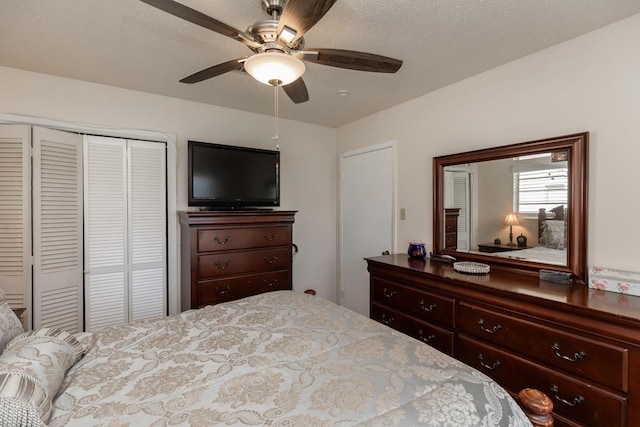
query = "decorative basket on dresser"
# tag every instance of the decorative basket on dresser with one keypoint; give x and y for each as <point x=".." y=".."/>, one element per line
<point x="228" y="255"/>
<point x="580" y="346"/>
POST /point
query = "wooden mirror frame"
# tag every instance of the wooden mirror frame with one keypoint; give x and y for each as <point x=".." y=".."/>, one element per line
<point x="578" y="147"/>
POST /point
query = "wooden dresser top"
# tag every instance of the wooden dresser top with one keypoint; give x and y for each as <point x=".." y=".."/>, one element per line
<point x="607" y="306"/>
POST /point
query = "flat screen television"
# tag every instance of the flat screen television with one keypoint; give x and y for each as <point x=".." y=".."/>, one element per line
<point x="229" y="177"/>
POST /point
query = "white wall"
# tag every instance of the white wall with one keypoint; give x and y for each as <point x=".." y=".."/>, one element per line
<point x="587" y="84"/>
<point x="308" y="152"/>
<point x="591" y="83"/>
<point x="495" y="200"/>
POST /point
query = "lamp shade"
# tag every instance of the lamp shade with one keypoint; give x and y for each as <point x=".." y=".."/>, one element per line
<point x="268" y="67"/>
<point x="511" y="219"/>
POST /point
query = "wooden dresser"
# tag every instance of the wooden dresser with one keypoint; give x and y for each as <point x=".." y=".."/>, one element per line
<point x="228" y="255"/>
<point x="578" y="345"/>
<point x="451" y="228"/>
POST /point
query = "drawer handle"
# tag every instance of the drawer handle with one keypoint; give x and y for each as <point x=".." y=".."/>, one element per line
<point x="223" y="291"/>
<point x="270" y="284"/>
<point x="493" y="330"/>
<point x="426" y="339"/>
<point x="430" y="308"/>
<point x="387" y="293"/>
<point x="269" y="238"/>
<point x="576" y="400"/>
<point x="222" y="267"/>
<point x="219" y="241"/>
<point x="491" y="367"/>
<point x="387" y="321"/>
<point x="576" y="356"/>
<point x="270" y="260"/>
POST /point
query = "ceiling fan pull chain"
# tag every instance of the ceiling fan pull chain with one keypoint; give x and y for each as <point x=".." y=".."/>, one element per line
<point x="275" y="134"/>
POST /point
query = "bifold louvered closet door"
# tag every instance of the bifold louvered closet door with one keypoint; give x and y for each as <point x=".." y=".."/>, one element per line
<point x="125" y="236"/>
<point x="15" y="225"/>
<point x="57" y="229"/>
<point x="83" y="227"/>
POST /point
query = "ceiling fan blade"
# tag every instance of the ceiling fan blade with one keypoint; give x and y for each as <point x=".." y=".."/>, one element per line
<point x="181" y="11"/>
<point x="301" y="15"/>
<point x="353" y="60"/>
<point x="297" y="91"/>
<point x="216" y="70"/>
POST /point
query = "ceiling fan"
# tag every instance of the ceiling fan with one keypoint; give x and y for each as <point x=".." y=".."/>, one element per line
<point x="278" y="45"/>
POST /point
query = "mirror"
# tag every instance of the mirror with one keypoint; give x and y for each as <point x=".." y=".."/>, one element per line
<point x="521" y="207"/>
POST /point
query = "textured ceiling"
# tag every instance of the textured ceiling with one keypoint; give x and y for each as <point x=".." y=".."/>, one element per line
<point x="129" y="44"/>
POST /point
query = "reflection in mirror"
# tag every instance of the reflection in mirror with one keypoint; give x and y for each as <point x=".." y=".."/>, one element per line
<point x="511" y="207"/>
<point x="521" y="206"/>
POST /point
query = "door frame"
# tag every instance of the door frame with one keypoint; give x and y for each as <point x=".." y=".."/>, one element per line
<point x="394" y="202"/>
<point x="473" y="201"/>
<point x="173" y="266"/>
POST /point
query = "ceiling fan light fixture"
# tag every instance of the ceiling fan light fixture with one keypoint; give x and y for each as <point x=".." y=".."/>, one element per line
<point x="274" y="66"/>
<point x="287" y="34"/>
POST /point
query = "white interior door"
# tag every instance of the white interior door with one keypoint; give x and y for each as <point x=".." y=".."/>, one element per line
<point x="57" y="230"/>
<point x="367" y="220"/>
<point x="15" y="214"/>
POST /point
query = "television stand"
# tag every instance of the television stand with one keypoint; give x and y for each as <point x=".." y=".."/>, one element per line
<point x="233" y="254"/>
<point x="232" y="209"/>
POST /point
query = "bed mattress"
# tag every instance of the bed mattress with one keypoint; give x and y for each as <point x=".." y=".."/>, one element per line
<point x="280" y="358"/>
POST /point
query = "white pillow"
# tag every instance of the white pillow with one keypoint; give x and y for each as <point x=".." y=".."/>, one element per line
<point x="32" y="368"/>
<point x="553" y="234"/>
<point x="10" y="325"/>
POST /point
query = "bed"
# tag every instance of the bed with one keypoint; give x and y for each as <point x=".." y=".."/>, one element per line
<point x="552" y="236"/>
<point x="541" y="254"/>
<point x="280" y="358"/>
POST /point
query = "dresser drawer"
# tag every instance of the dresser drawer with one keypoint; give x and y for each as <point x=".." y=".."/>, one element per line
<point x="217" y="291"/>
<point x="451" y="225"/>
<point x="424" y="305"/>
<point x="450" y="240"/>
<point x="594" y="360"/>
<point x="571" y="397"/>
<point x="211" y="240"/>
<point x="233" y="263"/>
<point x="428" y="333"/>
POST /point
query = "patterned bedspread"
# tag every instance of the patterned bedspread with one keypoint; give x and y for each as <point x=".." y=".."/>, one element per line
<point x="279" y="359"/>
<point x="537" y="254"/>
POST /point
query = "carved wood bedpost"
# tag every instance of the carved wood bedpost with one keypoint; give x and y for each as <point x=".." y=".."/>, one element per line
<point x="537" y="407"/>
<point x="542" y="217"/>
